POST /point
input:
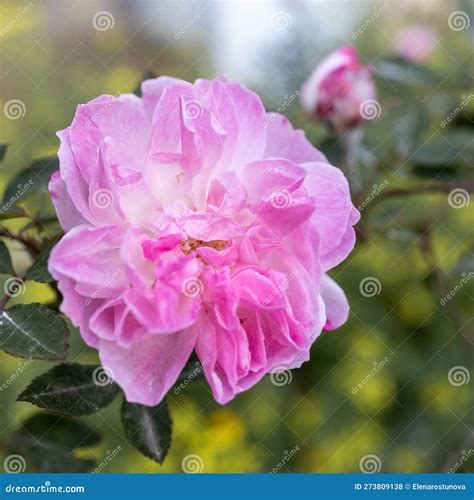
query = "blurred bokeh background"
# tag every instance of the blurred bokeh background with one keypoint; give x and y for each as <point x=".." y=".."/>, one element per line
<point x="381" y="388"/>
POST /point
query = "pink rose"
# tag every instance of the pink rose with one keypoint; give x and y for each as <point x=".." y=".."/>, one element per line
<point x="416" y="43"/>
<point x="196" y="221"/>
<point x="339" y="89"/>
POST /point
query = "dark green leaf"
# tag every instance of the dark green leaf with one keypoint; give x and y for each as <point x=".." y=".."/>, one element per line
<point x="147" y="75"/>
<point x="400" y="70"/>
<point x="71" y="390"/>
<point x="409" y="127"/>
<point x="3" y="150"/>
<point x="33" y="331"/>
<point x="30" y="180"/>
<point x="148" y="429"/>
<point x="5" y="260"/>
<point x="453" y="147"/>
<point x="47" y="442"/>
<point x="11" y="213"/>
<point x="38" y="271"/>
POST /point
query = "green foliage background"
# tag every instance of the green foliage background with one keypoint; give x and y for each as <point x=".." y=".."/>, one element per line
<point x="416" y="245"/>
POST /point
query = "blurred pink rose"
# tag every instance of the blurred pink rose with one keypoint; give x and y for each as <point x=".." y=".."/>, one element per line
<point x="196" y="221"/>
<point x="416" y="43"/>
<point x="339" y="89"/>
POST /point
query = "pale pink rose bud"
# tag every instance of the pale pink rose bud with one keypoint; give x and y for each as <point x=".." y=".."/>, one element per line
<point x="416" y="43"/>
<point x="338" y="90"/>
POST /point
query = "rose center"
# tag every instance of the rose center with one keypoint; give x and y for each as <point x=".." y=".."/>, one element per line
<point x="192" y="244"/>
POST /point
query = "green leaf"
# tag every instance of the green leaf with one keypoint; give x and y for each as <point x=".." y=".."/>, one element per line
<point x="5" y="260"/>
<point x="47" y="443"/>
<point x="38" y="271"/>
<point x="11" y="213"/>
<point x="148" y="429"/>
<point x="409" y="127"/>
<point x="147" y="75"/>
<point x="71" y="390"/>
<point x="33" y="331"/>
<point x="452" y="148"/>
<point x="3" y="150"/>
<point x="400" y="70"/>
<point x="30" y="180"/>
